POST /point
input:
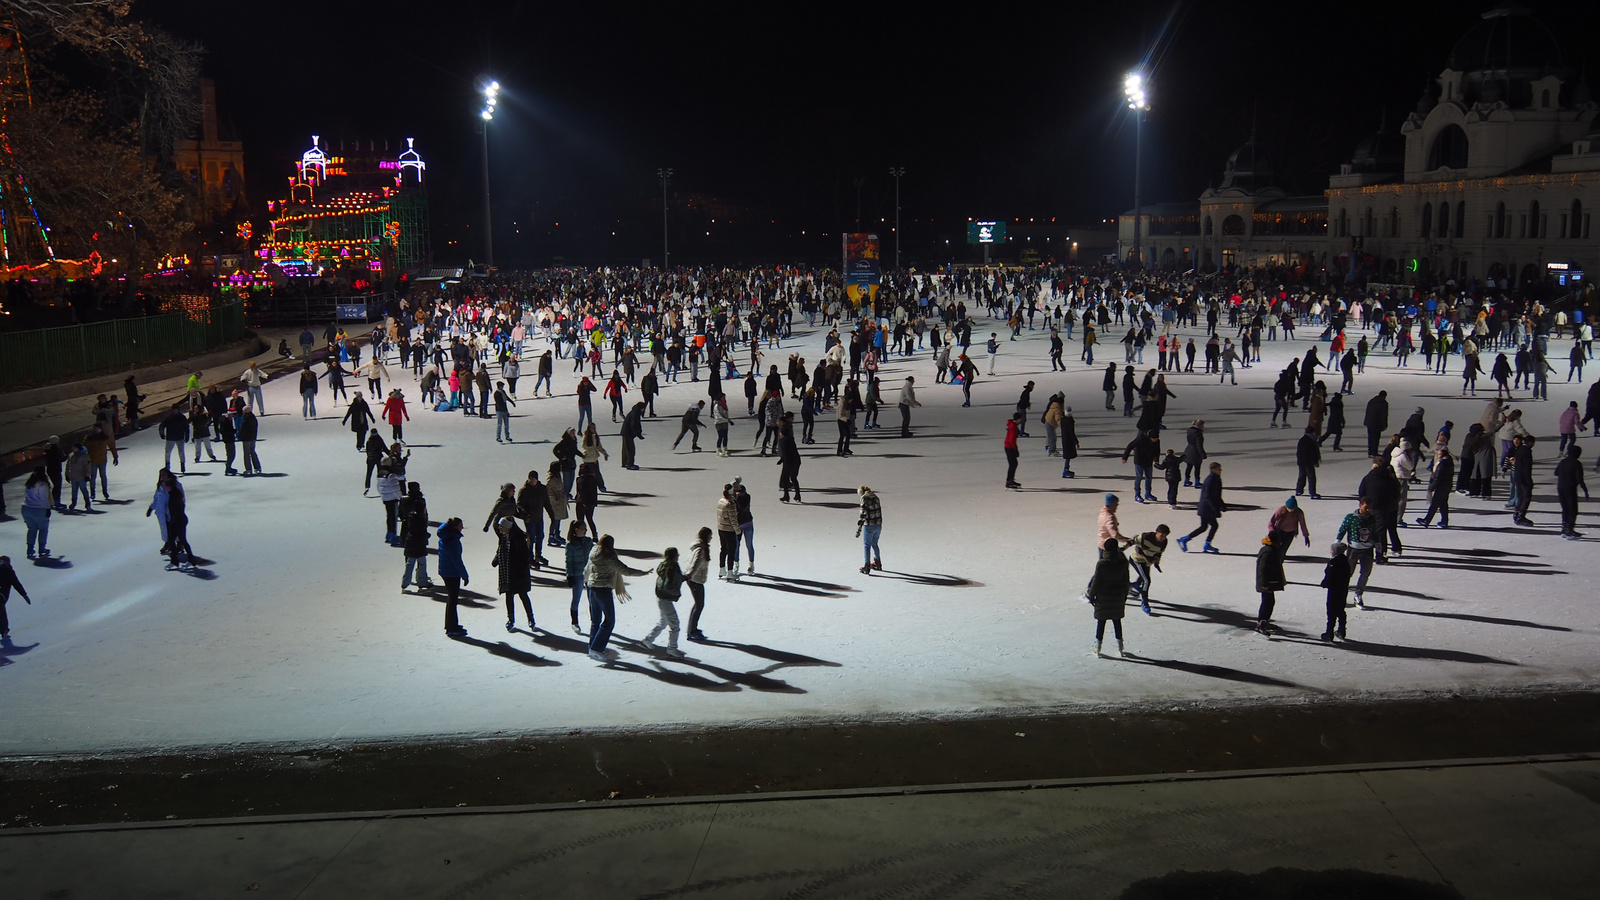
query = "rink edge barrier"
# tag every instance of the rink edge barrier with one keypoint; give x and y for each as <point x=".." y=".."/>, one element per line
<point x="834" y="794"/>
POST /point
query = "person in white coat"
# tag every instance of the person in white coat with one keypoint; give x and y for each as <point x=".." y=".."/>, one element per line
<point x="908" y="399"/>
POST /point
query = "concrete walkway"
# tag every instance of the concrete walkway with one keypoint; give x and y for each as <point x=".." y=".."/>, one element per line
<point x="1490" y="829"/>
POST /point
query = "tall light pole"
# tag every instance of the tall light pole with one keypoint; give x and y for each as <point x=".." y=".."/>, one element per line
<point x="897" y="171"/>
<point x="1133" y="89"/>
<point x="491" y="96"/>
<point x="665" y="175"/>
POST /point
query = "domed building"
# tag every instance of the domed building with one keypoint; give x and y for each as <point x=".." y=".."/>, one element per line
<point x="1492" y="176"/>
<point x="1245" y="220"/>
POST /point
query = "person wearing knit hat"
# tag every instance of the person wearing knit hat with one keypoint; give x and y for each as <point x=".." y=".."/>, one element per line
<point x="1336" y="578"/>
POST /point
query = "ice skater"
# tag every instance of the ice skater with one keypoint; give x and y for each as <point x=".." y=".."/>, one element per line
<point x="1108" y="592"/>
<point x="453" y="570"/>
<point x="669" y="587"/>
<point x="1336" y="578"/>
<point x="514" y="559"/>
<point x="869" y="527"/>
<point x="9" y="580"/>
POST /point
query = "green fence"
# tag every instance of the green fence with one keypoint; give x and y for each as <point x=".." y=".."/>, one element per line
<point x="51" y="354"/>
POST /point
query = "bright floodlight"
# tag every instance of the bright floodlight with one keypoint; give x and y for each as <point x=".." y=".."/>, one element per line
<point x="491" y="96"/>
<point x="1133" y="89"/>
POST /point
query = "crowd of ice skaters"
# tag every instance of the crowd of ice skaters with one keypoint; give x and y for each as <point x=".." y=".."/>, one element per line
<point x="662" y="329"/>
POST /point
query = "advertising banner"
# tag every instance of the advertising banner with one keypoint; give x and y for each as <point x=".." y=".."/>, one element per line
<point x="861" y="268"/>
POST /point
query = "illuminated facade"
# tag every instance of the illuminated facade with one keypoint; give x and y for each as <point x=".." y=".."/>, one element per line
<point x="360" y="213"/>
<point x="1495" y="174"/>
<point x="1243" y="221"/>
<point x="1494" y="177"/>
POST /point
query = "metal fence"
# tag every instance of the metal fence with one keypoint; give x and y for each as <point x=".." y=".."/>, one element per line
<point x="50" y="354"/>
<point x="265" y="308"/>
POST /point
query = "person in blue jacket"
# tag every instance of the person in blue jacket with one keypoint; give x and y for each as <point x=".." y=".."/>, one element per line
<point x="454" y="572"/>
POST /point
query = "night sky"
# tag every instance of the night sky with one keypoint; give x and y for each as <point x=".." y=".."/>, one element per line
<point x="767" y="117"/>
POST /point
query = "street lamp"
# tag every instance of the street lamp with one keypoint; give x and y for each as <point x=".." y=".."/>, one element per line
<point x="1133" y="89"/>
<point x="665" y="175"/>
<point x="897" y="171"/>
<point x="491" y="96"/>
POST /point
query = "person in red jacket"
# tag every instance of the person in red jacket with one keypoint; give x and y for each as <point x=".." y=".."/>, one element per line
<point x="1013" y="428"/>
<point x="394" y="412"/>
<point x="613" y="392"/>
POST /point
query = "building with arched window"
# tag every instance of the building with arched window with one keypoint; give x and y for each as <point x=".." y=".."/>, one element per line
<point x="1243" y="221"/>
<point x="1494" y="175"/>
<point x="1495" y="171"/>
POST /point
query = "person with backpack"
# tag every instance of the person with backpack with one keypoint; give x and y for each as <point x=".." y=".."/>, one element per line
<point x="669" y="587"/>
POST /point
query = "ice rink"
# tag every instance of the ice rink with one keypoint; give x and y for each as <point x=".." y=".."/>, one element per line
<point x="297" y="632"/>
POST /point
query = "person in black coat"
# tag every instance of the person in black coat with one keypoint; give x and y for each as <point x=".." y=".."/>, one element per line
<point x="1415" y="430"/>
<point x="414" y="534"/>
<point x="8" y="580"/>
<point x="1376" y="421"/>
<point x="1270" y="578"/>
<point x="1194" y="452"/>
<point x="1069" y="442"/>
<point x="1569" y="480"/>
<point x="376" y="449"/>
<point x="1210" y="510"/>
<point x="1146" y="450"/>
<point x="229" y="434"/>
<point x="1307" y="456"/>
<point x="1336" y="578"/>
<point x="358" y="417"/>
<point x="1522" y="474"/>
<point x="1335" y="426"/>
<point x="1440" y="484"/>
<point x="1382" y="489"/>
<point x="587" y="496"/>
<point x="1110" y="385"/>
<point x="788" y="459"/>
<point x="632" y="430"/>
<point x="532" y="501"/>
<point x="513" y="560"/>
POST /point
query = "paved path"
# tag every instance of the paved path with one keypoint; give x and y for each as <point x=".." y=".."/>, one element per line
<point x="1507" y="829"/>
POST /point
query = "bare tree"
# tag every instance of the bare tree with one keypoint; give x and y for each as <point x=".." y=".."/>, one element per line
<point x="90" y="25"/>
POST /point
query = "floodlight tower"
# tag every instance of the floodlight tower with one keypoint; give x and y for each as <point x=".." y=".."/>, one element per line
<point x="665" y="175"/>
<point x="1133" y="88"/>
<point x="491" y="96"/>
<point x="897" y="172"/>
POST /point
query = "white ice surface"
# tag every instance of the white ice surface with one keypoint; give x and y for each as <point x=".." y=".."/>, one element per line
<point x="303" y="635"/>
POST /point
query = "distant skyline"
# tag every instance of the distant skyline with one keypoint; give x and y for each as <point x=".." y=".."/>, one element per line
<point x="767" y="118"/>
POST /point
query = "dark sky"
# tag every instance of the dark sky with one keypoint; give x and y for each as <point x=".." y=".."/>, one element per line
<point x="768" y="113"/>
